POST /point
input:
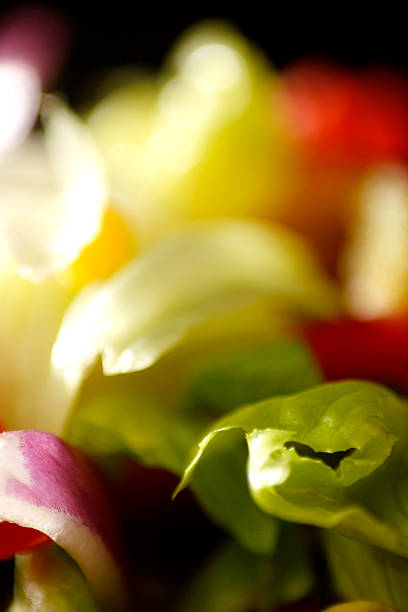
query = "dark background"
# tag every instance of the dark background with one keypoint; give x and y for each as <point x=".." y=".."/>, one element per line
<point x="111" y="34"/>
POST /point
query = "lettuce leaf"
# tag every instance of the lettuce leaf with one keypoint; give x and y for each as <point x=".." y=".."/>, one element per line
<point x="135" y="414"/>
<point x="204" y="139"/>
<point x="230" y="378"/>
<point x="234" y="579"/>
<point x="361" y="571"/>
<point x="321" y="456"/>
<point x="125" y="422"/>
<point x="202" y="271"/>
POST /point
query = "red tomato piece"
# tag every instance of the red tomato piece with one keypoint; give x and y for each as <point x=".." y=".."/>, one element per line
<point x="382" y="129"/>
<point x="15" y="539"/>
<point x="373" y="350"/>
<point x="321" y="101"/>
<point x="340" y="115"/>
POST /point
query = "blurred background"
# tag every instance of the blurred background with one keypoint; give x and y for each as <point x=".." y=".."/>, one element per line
<point x="72" y="48"/>
<point x="119" y="33"/>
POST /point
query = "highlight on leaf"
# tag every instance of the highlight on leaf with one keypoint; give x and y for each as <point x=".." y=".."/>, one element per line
<point x="202" y="270"/>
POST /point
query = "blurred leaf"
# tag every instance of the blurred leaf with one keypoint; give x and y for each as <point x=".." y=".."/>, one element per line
<point x="52" y="194"/>
<point x="49" y="580"/>
<point x="32" y="396"/>
<point x="203" y="270"/>
<point x="232" y="378"/>
<point x="132" y="414"/>
<point x="317" y="457"/>
<point x="121" y="420"/>
<point x="124" y="421"/>
<point x="199" y="141"/>
<point x="236" y="580"/>
<point x="361" y="606"/>
<point x="361" y="571"/>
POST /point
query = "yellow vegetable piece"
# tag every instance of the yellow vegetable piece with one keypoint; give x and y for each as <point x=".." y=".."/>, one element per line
<point x="114" y="246"/>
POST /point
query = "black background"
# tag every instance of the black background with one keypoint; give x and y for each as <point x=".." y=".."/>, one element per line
<point x="111" y="34"/>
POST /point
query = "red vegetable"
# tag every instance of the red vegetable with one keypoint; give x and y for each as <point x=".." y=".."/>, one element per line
<point x="15" y="539"/>
<point x="338" y="115"/>
<point x="374" y="350"/>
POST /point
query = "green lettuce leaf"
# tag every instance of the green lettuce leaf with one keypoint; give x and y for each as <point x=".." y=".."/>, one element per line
<point x="230" y="378"/>
<point x="361" y="571"/>
<point x="322" y="456"/>
<point x="122" y="421"/>
<point x="116" y="420"/>
<point x="141" y="415"/>
<point x="236" y="511"/>
<point x="50" y="580"/>
<point x="236" y="580"/>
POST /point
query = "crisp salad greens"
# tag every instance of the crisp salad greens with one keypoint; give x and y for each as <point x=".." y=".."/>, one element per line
<point x="199" y="272"/>
<point x="308" y="453"/>
<point x="161" y="426"/>
<point x="163" y="323"/>
<point x="273" y="445"/>
<point x="126" y="420"/>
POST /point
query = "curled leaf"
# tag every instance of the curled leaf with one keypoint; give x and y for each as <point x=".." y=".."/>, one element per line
<point x="320" y="456"/>
<point x="142" y="414"/>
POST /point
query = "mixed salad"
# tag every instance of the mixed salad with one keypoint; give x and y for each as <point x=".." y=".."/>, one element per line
<point x="203" y="333"/>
